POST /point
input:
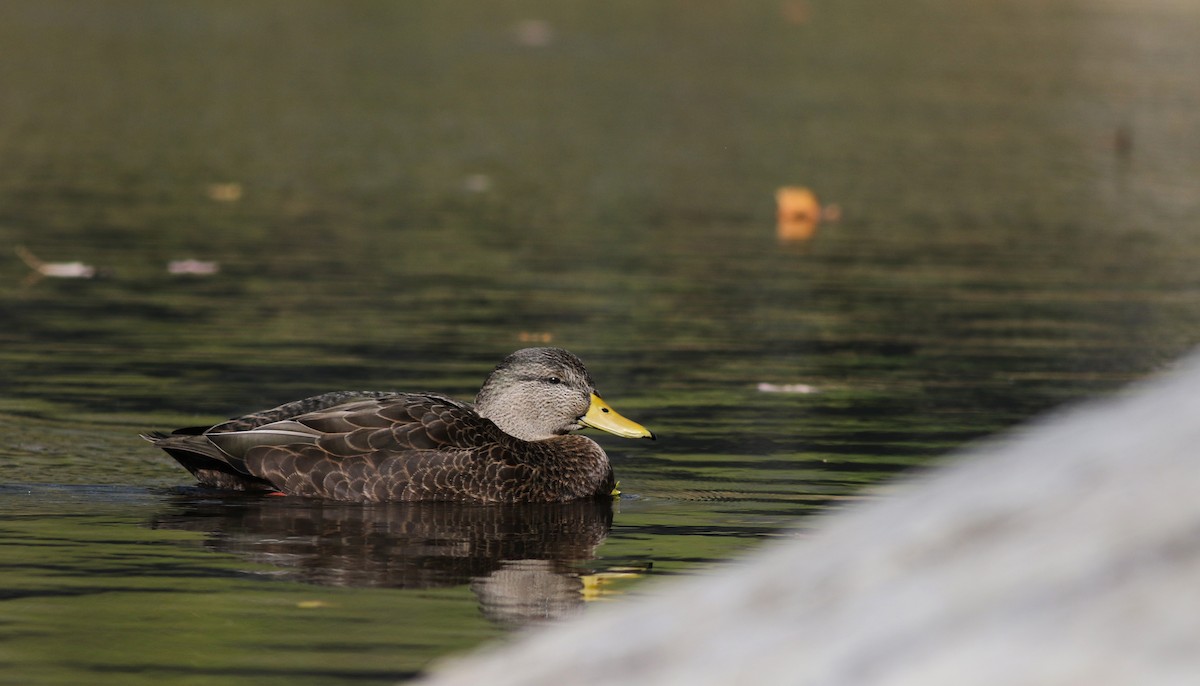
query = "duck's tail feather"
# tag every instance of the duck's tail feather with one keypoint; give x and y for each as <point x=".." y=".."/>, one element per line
<point x="205" y="461"/>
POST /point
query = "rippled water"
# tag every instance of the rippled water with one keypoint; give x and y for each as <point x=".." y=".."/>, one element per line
<point x="399" y="194"/>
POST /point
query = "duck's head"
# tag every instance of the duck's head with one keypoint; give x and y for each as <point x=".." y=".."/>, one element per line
<point x="538" y="393"/>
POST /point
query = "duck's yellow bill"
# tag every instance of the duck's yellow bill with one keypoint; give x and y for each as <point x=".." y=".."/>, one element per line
<point x="601" y="416"/>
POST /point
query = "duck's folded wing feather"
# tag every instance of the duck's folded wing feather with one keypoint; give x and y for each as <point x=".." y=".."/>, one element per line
<point x="311" y="405"/>
<point x="399" y="423"/>
<point x="237" y="443"/>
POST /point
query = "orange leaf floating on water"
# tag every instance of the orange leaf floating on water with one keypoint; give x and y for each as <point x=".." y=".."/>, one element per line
<point x="799" y="213"/>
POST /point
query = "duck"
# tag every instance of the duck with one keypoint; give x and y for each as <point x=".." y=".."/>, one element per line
<point x="514" y="444"/>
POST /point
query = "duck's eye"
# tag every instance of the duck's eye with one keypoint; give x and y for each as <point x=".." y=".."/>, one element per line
<point x="554" y="380"/>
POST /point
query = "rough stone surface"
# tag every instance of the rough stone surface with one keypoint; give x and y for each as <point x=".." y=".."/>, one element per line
<point x="1066" y="552"/>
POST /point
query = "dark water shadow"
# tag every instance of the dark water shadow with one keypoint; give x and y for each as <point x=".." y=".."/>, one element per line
<point x="523" y="562"/>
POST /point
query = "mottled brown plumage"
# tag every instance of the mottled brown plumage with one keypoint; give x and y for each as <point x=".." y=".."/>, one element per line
<point x="512" y="446"/>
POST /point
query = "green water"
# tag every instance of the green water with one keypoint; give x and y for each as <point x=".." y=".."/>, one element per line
<point x="421" y="188"/>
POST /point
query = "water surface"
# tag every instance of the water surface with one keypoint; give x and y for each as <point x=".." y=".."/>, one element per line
<point x="399" y="195"/>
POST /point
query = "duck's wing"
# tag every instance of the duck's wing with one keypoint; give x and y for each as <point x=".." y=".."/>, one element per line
<point x="344" y="424"/>
<point x="296" y="408"/>
<point x="394" y="422"/>
<point x="401" y="447"/>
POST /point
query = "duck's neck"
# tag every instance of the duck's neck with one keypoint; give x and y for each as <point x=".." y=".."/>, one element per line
<point x="513" y="423"/>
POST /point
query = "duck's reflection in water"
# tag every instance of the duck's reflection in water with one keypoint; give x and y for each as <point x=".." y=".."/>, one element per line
<point x="524" y="562"/>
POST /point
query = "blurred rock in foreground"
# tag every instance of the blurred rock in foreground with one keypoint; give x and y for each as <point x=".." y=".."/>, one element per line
<point x="1066" y="553"/>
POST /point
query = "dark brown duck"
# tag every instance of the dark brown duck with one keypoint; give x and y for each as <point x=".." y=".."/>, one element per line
<point x="513" y="445"/>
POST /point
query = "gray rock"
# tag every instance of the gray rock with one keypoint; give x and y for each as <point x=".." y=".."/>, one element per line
<point x="1066" y="552"/>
